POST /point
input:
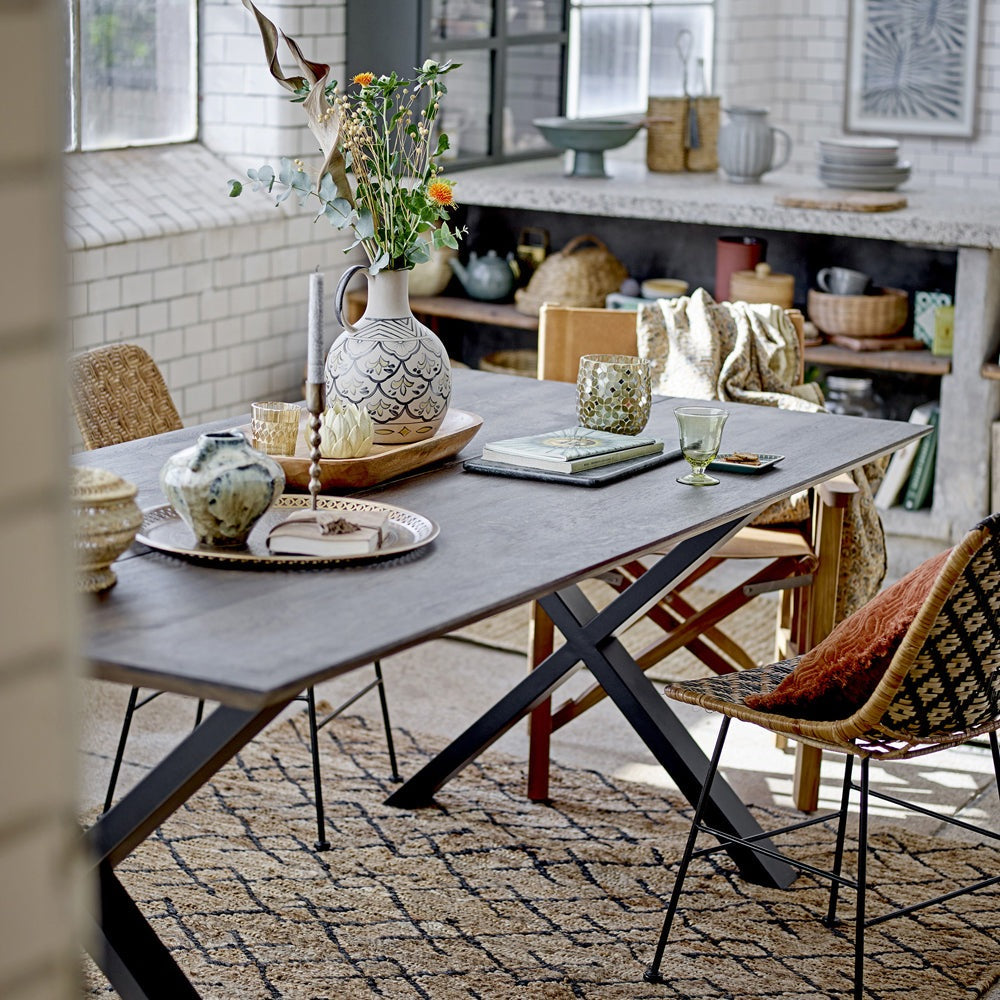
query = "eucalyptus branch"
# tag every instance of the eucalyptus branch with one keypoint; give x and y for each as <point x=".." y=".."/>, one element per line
<point x="376" y="132"/>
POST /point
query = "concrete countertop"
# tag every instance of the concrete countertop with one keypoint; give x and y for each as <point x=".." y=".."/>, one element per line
<point x="940" y="218"/>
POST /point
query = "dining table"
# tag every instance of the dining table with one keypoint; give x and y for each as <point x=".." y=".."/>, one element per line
<point x="252" y="636"/>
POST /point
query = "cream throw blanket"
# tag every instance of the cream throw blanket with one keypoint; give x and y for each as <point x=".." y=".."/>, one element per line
<point x="745" y="353"/>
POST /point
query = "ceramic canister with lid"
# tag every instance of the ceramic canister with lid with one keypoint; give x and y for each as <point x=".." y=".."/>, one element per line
<point x="762" y="285"/>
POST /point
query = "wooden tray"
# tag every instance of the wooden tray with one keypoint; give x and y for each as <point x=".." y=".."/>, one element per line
<point x="383" y="462"/>
<point x="844" y="201"/>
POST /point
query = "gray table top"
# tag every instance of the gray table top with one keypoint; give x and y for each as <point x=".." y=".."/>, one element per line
<point x="249" y="638"/>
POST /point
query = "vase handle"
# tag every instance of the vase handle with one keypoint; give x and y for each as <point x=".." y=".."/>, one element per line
<point x="338" y="297"/>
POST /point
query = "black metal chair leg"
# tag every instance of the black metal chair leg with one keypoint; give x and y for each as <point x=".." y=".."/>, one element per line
<point x="322" y="844"/>
<point x="120" y="753"/>
<point x="199" y="712"/>
<point x="859" y="920"/>
<point x="838" y="857"/>
<point x="390" y="745"/>
<point x="996" y="758"/>
<point x="653" y="974"/>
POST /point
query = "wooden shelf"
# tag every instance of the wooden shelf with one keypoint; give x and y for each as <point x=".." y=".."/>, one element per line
<point x="504" y="314"/>
<point x="991" y="370"/>
<point x="917" y="362"/>
<point x="452" y="307"/>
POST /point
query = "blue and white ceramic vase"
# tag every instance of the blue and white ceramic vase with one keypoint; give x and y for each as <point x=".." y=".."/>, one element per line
<point x="389" y="361"/>
<point x="221" y="487"/>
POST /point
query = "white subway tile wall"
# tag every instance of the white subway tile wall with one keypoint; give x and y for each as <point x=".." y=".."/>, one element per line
<point x="791" y="57"/>
<point x="41" y="867"/>
<point x="219" y="304"/>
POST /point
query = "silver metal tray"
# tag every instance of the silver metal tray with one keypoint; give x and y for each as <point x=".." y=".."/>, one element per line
<point x="164" y="530"/>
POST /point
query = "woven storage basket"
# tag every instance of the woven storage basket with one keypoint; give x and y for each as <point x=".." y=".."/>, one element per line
<point x="520" y="361"/>
<point x="665" y="134"/>
<point x="666" y="126"/>
<point x="879" y="315"/>
<point x="706" y="156"/>
<point x="577" y="275"/>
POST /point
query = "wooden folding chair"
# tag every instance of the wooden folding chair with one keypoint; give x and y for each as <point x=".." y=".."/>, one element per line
<point x="801" y="560"/>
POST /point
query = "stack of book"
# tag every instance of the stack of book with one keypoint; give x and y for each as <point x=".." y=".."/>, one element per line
<point x="909" y="479"/>
<point x="329" y="532"/>
<point x="572" y="450"/>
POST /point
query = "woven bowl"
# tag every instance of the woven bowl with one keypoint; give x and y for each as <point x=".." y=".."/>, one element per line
<point x="879" y="315"/>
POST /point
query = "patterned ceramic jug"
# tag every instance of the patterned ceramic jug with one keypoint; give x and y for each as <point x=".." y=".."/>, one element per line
<point x="389" y="361"/>
<point x="221" y="487"/>
<point x="746" y="145"/>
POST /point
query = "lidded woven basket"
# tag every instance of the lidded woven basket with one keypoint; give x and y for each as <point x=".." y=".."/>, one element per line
<point x="578" y="275"/>
<point x="879" y="315"/>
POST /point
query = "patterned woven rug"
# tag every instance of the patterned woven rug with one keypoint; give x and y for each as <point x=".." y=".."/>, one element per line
<point x="485" y="895"/>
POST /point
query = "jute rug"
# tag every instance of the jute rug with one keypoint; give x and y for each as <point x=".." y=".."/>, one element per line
<point x="486" y="895"/>
<point x="753" y="626"/>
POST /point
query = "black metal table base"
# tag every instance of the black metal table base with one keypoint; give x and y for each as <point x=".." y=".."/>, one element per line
<point x="125" y="947"/>
<point x="590" y="642"/>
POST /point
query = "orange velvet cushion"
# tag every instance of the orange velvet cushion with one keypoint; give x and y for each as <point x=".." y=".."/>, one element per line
<point x="837" y="676"/>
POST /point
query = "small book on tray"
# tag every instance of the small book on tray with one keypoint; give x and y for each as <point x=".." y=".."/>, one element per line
<point x="328" y="532"/>
<point x="574" y="449"/>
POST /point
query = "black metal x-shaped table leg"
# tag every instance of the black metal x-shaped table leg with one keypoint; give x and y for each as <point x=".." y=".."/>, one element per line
<point x="126" y="948"/>
<point x="589" y="641"/>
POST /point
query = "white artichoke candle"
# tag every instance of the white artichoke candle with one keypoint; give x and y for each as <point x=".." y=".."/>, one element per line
<point x="346" y="430"/>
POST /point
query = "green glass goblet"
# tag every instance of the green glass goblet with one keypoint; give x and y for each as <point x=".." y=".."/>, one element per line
<point x="700" y="429"/>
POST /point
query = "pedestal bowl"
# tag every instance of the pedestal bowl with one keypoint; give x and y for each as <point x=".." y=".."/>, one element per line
<point x="588" y="138"/>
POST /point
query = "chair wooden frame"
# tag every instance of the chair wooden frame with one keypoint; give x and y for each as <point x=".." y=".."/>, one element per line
<point x="802" y="563"/>
<point x="118" y="394"/>
<point x="941" y="689"/>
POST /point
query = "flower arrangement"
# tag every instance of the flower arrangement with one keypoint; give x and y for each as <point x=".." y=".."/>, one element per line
<point x="382" y="131"/>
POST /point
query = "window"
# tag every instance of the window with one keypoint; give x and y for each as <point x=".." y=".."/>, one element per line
<point x="623" y="51"/>
<point x="132" y="71"/>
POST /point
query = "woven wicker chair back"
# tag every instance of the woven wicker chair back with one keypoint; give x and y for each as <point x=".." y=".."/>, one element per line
<point x="118" y="395"/>
<point x="948" y="666"/>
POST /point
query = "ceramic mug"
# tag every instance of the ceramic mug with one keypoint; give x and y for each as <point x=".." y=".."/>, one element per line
<point x="735" y="253"/>
<point x="843" y="281"/>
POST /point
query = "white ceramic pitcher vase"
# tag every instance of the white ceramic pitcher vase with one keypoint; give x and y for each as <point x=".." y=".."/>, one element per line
<point x="747" y="145"/>
<point x="389" y="361"/>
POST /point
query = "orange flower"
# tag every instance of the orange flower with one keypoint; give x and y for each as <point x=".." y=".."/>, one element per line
<point x="363" y="79"/>
<point x="440" y="193"/>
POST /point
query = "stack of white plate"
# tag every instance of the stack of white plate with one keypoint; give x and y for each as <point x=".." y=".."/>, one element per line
<point x="866" y="164"/>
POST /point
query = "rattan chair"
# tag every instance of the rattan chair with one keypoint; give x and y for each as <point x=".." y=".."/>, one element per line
<point x="941" y="689"/>
<point x="801" y="560"/>
<point x="118" y="394"/>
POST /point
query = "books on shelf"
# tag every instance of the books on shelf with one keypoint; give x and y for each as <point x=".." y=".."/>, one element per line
<point x="573" y="449"/>
<point x="330" y="532"/>
<point x="897" y="475"/>
<point x="921" y="481"/>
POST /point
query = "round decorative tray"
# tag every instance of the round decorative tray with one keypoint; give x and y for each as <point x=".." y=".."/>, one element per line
<point x="162" y="529"/>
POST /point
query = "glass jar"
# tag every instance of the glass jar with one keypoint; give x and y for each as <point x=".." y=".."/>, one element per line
<point x="851" y="395"/>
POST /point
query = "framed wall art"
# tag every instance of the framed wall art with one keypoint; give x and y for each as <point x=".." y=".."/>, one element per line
<point x="912" y="67"/>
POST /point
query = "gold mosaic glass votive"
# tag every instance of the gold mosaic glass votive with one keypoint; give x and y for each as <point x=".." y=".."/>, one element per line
<point x="275" y="427"/>
<point x="613" y="393"/>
